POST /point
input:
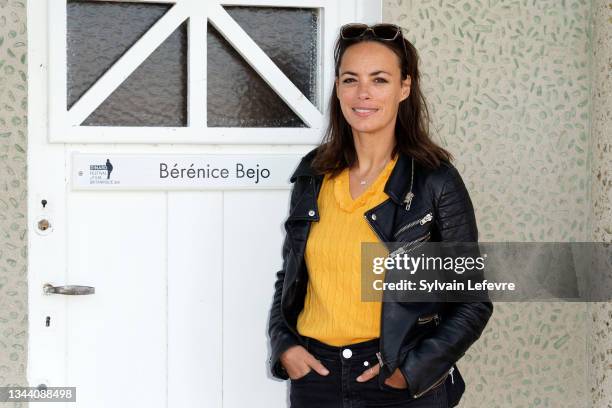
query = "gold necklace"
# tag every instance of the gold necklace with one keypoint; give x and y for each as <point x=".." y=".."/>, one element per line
<point x="364" y="181"/>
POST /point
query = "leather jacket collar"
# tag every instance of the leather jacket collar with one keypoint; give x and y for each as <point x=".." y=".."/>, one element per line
<point x="396" y="187"/>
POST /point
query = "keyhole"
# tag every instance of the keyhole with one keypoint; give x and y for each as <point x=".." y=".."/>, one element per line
<point x="48" y="321"/>
<point x="44" y="203"/>
<point x="43" y="225"/>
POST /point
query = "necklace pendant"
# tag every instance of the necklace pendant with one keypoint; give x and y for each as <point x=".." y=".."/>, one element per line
<point x="362" y="182"/>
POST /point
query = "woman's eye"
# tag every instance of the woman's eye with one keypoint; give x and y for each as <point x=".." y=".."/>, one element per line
<point x="377" y="80"/>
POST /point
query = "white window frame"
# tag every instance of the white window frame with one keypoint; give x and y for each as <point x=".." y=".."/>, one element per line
<point x="64" y="125"/>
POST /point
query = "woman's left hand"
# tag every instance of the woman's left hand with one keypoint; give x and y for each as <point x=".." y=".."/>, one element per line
<point x="396" y="380"/>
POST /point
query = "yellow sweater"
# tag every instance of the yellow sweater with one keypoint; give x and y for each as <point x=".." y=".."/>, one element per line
<point x="333" y="311"/>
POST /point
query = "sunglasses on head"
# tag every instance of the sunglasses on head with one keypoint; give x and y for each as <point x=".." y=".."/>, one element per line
<point x="352" y="31"/>
<point x="384" y="31"/>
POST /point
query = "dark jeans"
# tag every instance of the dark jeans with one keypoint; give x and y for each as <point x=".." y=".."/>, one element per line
<point x="340" y="389"/>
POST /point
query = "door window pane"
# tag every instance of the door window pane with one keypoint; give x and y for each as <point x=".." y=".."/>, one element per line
<point x="237" y="95"/>
<point x="155" y="94"/>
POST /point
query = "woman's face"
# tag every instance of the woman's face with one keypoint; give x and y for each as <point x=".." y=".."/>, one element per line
<point x="369" y="87"/>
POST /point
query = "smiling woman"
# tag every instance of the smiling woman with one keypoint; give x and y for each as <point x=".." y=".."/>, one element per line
<point x="376" y="174"/>
<point x="377" y="92"/>
<point x="369" y="96"/>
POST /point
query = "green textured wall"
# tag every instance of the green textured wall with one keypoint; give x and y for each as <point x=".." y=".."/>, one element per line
<point x="600" y="314"/>
<point x="13" y="194"/>
<point x="509" y="83"/>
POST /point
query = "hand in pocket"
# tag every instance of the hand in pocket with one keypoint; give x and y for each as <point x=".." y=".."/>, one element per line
<point x="396" y="380"/>
<point x="298" y="362"/>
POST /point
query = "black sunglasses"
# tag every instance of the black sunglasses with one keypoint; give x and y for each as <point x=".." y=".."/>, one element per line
<point x="384" y="31"/>
<point x="388" y="32"/>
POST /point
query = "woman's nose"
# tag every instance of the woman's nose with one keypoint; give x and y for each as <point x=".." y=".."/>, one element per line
<point x="363" y="91"/>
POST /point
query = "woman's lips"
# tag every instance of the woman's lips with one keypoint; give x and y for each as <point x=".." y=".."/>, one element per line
<point x="364" y="112"/>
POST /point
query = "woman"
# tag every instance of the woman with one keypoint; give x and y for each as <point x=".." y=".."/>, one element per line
<point x="377" y="176"/>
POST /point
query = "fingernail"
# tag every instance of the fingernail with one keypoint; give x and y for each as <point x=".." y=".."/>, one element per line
<point x="359" y="379"/>
<point x="325" y="371"/>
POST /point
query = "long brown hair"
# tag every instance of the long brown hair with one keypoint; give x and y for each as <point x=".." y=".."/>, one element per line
<point x="337" y="149"/>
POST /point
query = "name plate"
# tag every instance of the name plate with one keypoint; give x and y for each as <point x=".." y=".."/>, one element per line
<point x="185" y="172"/>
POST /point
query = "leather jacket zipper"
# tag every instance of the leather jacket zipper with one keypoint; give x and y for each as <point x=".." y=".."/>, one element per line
<point x="401" y="250"/>
<point x="379" y="355"/>
<point x="434" y="385"/>
<point x="427" y="319"/>
<point x="425" y="219"/>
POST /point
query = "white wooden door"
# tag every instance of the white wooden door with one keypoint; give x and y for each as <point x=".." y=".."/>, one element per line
<point x="183" y="274"/>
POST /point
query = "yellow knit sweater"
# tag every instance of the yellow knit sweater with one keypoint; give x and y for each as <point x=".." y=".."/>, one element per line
<point x="333" y="311"/>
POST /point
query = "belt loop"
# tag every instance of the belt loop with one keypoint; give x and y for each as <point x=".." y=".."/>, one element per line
<point x="380" y="360"/>
<point x="307" y="345"/>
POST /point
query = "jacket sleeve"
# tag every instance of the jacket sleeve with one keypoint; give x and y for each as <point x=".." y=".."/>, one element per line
<point x="462" y="323"/>
<point x="281" y="338"/>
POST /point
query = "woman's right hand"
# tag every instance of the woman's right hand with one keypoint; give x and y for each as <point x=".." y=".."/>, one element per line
<point x="298" y="362"/>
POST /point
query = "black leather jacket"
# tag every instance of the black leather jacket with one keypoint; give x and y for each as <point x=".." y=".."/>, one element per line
<point x="423" y="339"/>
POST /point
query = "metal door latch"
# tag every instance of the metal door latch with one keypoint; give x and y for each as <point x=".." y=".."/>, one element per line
<point x="68" y="289"/>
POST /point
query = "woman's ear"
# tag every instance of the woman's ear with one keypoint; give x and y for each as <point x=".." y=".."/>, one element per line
<point x="406" y="87"/>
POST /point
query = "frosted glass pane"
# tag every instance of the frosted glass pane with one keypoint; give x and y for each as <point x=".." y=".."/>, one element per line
<point x="155" y="94"/>
<point x="237" y="95"/>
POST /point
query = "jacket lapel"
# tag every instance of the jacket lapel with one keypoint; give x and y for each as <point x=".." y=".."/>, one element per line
<point x="381" y="217"/>
<point x="304" y="212"/>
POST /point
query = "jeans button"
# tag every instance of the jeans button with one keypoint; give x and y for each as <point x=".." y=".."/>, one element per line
<point x="347" y="353"/>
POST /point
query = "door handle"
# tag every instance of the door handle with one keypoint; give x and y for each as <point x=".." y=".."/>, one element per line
<point x="68" y="289"/>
